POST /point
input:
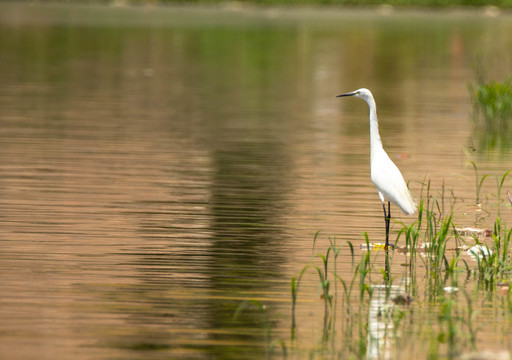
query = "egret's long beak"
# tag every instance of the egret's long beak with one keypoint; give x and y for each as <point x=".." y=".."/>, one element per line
<point x="348" y="94"/>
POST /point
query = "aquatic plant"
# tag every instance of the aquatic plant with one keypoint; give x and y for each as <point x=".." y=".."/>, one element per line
<point x="325" y="286"/>
<point x="494" y="263"/>
<point x="499" y="185"/>
<point x="479" y="181"/>
<point x="294" y="285"/>
<point x="492" y="113"/>
<point x="353" y="327"/>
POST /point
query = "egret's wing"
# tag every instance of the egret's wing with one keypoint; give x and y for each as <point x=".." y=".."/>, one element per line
<point x="391" y="184"/>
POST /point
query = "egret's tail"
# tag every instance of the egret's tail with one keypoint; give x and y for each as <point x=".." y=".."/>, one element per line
<point x="408" y="206"/>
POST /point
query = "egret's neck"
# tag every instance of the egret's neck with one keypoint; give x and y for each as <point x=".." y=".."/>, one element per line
<point x="375" y="142"/>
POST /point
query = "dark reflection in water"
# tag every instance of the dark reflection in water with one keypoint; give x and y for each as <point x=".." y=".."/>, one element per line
<point x="158" y="168"/>
<point x="236" y="259"/>
<point x="246" y="203"/>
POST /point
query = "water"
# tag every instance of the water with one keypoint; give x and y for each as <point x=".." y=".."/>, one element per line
<point x="162" y="165"/>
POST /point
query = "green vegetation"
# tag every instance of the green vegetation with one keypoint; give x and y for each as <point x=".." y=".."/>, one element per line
<point x="492" y="109"/>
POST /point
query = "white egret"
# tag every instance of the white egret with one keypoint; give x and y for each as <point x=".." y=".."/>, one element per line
<point x="385" y="175"/>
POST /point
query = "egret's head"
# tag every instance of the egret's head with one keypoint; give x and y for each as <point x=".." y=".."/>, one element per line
<point x="362" y="93"/>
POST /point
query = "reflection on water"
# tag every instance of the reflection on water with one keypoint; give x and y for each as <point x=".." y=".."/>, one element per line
<point x="380" y="324"/>
<point x="159" y="166"/>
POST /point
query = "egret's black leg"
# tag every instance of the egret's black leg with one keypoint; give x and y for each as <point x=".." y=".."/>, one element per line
<point x="389" y="222"/>
<point x="387" y="219"/>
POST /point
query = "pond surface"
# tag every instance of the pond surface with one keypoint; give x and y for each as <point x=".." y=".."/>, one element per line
<point x="160" y="166"/>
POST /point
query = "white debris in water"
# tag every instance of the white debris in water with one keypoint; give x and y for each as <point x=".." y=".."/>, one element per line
<point x="450" y="289"/>
<point x="479" y="251"/>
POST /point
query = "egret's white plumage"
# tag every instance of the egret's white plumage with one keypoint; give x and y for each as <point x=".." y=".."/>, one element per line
<point x="386" y="177"/>
<point x="390" y="184"/>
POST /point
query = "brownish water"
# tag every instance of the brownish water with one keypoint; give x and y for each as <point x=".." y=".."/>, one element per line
<point x="161" y="165"/>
